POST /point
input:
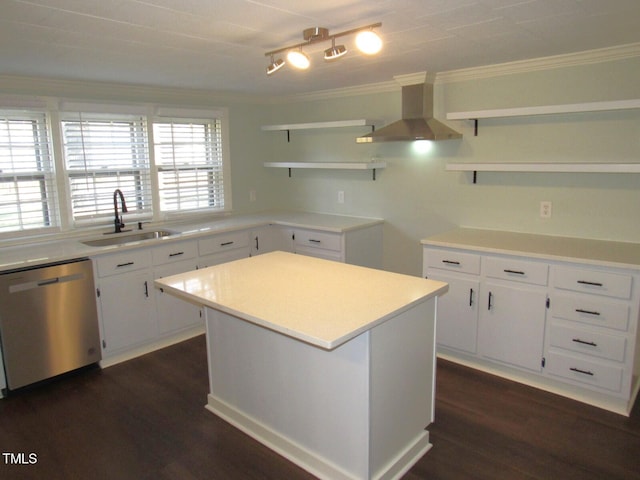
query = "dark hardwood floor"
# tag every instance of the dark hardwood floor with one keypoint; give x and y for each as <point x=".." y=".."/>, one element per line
<point x="145" y="419"/>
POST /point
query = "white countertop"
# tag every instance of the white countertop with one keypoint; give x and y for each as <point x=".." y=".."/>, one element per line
<point x="321" y="302"/>
<point x="61" y="249"/>
<point x="594" y="252"/>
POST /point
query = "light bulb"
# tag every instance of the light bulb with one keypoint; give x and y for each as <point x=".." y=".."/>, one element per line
<point x="368" y="42"/>
<point x="298" y="59"/>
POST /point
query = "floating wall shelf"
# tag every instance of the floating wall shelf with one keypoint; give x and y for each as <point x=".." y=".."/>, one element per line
<point x="544" y="110"/>
<point x="544" y="167"/>
<point x="287" y="127"/>
<point x="373" y="166"/>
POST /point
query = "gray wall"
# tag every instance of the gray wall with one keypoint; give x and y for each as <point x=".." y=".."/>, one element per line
<point x="417" y="197"/>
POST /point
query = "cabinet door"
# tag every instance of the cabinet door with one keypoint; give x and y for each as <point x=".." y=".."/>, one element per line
<point x="126" y="305"/>
<point x="173" y="313"/>
<point x="457" y="316"/>
<point x="511" y="326"/>
<point x="269" y="239"/>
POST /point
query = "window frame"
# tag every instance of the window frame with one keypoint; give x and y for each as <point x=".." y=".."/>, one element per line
<point x="81" y="160"/>
<point x="210" y="163"/>
<point x="44" y="174"/>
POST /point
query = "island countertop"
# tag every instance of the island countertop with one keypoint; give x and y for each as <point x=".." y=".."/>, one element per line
<point x="321" y="302"/>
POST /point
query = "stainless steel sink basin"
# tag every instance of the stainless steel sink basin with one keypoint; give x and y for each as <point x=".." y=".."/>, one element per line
<point x="119" y="239"/>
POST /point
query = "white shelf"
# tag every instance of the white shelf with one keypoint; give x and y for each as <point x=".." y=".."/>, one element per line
<point x="545" y="110"/>
<point x="546" y="167"/>
<point x="334" y="124"/>
<point x="329" y="165"/>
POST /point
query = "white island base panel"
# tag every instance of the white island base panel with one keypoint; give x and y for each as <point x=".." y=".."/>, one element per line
<point x="358" y="411"/>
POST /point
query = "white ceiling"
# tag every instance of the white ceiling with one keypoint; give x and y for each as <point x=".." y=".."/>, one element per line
<point x="220" y="45"/>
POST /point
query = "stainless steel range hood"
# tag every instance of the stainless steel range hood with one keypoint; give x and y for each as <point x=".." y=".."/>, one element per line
<point x="417" y="121"/>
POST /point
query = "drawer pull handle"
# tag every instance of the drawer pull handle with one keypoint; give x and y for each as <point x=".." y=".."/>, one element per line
<point x="314" y="241"/>
<point x="516" y="272"/>
<point x="593" y="284"/>
<point x="489" y="304"/>
<point x="585" y="372"/>
<point x="124" y="264"/>
<point x="176" y="254"/>
<point x="590" y="312"/>
<point x="226" y="244"/>
<point x="146" y="289"/>
<point x="471" y="297"/>
<point x="451" y="262"/>
<point x="583" y="342"/>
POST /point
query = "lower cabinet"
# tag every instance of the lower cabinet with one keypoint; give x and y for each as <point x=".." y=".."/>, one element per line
<point x="565" y="325"/>
<point x="135" y="315"/>
<point x="457" y="327"/>
<point x="126" y="300"/>
<point x="511" y="328"/>
<point x="172" y="313"/>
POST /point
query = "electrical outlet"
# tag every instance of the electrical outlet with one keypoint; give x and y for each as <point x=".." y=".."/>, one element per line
<point x="545" y="209"/>
<point x="341" y="196"/>
<point x="252" y="195"/>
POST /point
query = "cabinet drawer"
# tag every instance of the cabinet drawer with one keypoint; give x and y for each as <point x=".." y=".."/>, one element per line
<point x="612" y="347"/>
<point x="324" y="240"/>
<point x="174" y="252"/>
<point x="585" y="371"/>
<point x="593" y="281"/>
<point x="587" y="309"/>
<point x="516" y="270"/>
<point x="123" y="262"/>
<point x="453" y="260"/>
<point x="320" y="253"/>
<point x="222" y="242"/>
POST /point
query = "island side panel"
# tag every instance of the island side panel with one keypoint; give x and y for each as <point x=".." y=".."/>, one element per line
<point x="402" y="389"/>
<point x="309" y="404"/>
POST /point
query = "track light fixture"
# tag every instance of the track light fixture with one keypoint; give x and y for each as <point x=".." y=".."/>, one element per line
<point x="367" y="41"/>
<point x="275" y="65"/>
<point x="334" y="52"/>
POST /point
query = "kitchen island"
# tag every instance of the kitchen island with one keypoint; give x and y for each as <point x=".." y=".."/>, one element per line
<point x="331" y="365"/>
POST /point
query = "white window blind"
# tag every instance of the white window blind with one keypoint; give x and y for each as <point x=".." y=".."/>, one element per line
<point x="27" y="177"/>
<point x="189" y="162"/>
<point x="105" y="152"/>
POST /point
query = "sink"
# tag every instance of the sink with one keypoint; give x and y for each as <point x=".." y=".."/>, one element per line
<point x="116" y="239"/>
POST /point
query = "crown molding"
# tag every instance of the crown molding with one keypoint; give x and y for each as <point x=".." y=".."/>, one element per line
<point x="601" y="55"/>
<point x="587" y="57"/>
<point x="97" y="90"/>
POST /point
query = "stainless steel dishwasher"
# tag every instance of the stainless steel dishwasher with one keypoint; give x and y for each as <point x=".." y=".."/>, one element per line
<point x="48" y="321"/>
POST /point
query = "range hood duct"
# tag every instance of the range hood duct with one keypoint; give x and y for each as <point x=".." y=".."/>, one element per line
<point x="417" y="121"/>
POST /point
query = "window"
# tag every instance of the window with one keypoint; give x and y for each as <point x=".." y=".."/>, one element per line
<point x="105" y="152"/>
<point x="27" y="178"/>
<point x="189" y="162"/>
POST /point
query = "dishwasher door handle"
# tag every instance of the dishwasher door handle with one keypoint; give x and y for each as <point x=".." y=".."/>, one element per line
<point x="22" y="287"/>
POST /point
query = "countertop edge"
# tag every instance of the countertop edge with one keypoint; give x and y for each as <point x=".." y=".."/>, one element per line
<point x="445" y="240"/>
<point x="66" y="249"/>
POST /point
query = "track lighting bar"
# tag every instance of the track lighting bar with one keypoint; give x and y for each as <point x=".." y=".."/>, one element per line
<point x="316" y="35"/>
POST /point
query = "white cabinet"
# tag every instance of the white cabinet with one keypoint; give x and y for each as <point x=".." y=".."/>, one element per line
<point x="125" y="297"/>
<point x="361" y="246"/>
<point x="314" y="243"/>
<point x="511" y="326"/>
<point x="567" y="324"/>
<point x="457" y="317"/>
<point x="137" y="318"/>
<point x="490" y="309"/>
<point x="223" y="247"/>
<point x="173" y="314"/>
<point x="592" y="333"/>
<point x="513" y="318"/>
<point x="270" y="238"/>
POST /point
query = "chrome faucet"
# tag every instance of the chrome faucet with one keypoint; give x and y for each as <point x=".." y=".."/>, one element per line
<point x="118" y="220"/>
